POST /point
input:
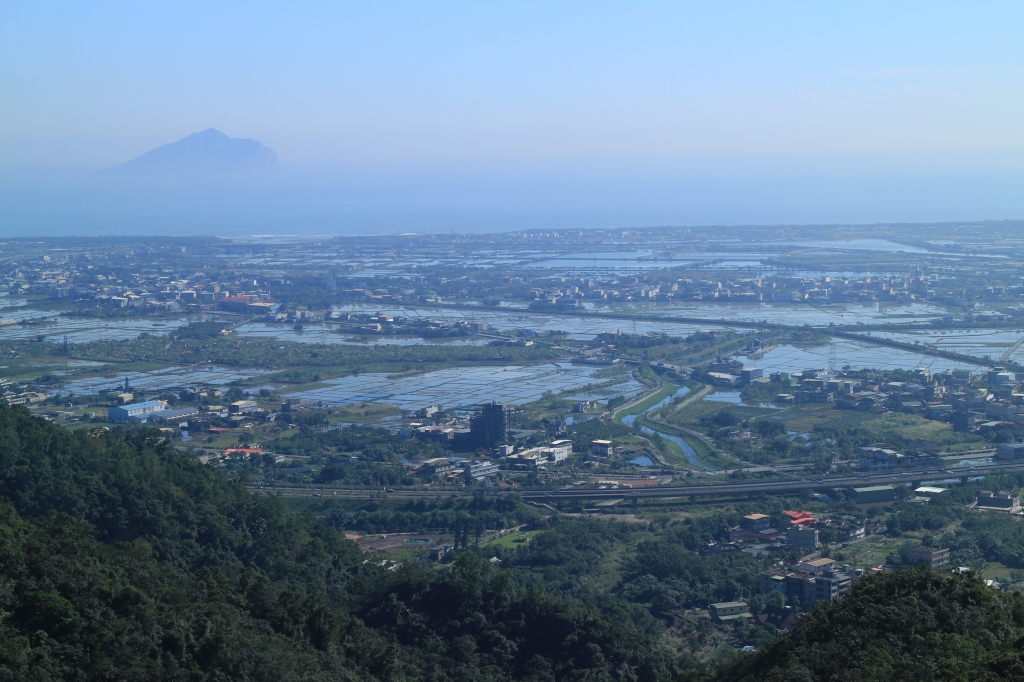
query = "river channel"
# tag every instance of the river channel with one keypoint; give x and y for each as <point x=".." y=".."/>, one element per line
<point x="691" y="454"/>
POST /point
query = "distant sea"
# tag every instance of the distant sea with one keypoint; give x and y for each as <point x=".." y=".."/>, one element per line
<point x="482" y="198"/>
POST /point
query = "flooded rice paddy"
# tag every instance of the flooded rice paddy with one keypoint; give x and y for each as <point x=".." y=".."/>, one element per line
<point x="164" y="379"/>
<point x="54" y="328"/>
<point x="455" y="388"/>
<point x="791" y="358"/>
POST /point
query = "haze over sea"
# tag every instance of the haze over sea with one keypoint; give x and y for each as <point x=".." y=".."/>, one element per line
<point x="482" y="196"/>
<point x="438" y="117"/>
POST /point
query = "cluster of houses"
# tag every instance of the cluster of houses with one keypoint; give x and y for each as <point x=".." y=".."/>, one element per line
<point x="487" y="427"/>
<point x="160" y="411"/>
<point x="779" y="288"/>
<point x="574" y="291"/>
<point x="14" y="397"/>
<point x="993" y="401"/>
<point x="757" y="535"/>
<point x="814" y="581"/>
<point x="193" y="417"/>
<point x="953" y="396"/>
<point x="387" y="323"/>
<point x="821" y="579"/>
<point x="886" y="456"/>
<point x="454" y="469"/>
<point x="998" y="501"/>
<point x="77" y="280"/>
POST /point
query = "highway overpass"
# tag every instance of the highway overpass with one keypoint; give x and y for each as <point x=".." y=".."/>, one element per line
<point x="779" y="485"/>
<point x="664" y="492"/>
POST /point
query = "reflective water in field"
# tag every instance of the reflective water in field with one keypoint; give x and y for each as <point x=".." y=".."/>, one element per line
<point x="54" y="328"/>
<point x="585" y="328"/>
<point x="790" y="358"/>
<point x="798" y="314"/>
<point x="981" y="343"/>
<point x="628" y="387"/>
<point x="6" y="301"/>
<point x="735" y="398"/>
<point x="164" y="379"/>
<point x="753" y="254"/>
<point x="328" y="334"/>
<point x="455" y="388"/>
<point x="606" y="260"/>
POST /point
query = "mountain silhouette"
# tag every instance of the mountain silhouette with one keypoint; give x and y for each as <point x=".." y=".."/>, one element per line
<point x="207" y="153"/>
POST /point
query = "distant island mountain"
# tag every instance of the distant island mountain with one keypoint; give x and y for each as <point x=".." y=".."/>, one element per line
<point x="209" y="153"/>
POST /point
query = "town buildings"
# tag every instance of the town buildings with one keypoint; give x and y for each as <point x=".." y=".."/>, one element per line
<point x="138" y="411"/>
<point x="933" y="557"/>
<point x="725" y="612"/>
<point x="242" y="407"/>
<point x="531" y="458"/>
<point x="489" y="426"/>
<point x="814" y="581"/>
<point x="802" y="536"/>
<point x="1002" y="501"/>
<point x="875" y="493"/>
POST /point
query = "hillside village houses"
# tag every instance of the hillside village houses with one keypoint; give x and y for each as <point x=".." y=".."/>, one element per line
<point x="814" y="581"/>
<point x="97" y="278"/>
<point x="756" y="534"/>
<point x="983" y="402"/>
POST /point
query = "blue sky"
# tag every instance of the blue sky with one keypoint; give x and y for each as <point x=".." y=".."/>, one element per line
<point x="792" y="103"/>
<point x="370" y="81"/>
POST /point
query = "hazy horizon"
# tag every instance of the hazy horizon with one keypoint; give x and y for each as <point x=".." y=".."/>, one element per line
<point x="411" y="117"/>
<point x="488" y="197"/>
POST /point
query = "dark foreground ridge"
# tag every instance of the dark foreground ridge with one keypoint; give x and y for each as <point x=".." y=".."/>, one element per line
<point x="912" y="624"/>
<point x="202" y="154"/>
<point x="122" y="559"/>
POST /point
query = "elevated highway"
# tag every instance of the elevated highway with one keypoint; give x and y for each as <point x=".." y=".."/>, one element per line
<point x="666" y="492"/>
<point x="781" y="485"/>
<point x="841" y="332"/>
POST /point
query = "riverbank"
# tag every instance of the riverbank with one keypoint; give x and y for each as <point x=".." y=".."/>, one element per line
<point x="684" y="452"/>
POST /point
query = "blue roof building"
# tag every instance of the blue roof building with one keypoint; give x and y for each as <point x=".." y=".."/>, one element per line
<point x="140" y="411"/>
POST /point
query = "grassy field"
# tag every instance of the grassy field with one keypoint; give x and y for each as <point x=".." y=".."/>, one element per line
<point x="645" y="404"/>
<point x="690" y="416"/>
<point x="872" y="551"/>
<point x="510" y="540"/>
<point x="814" y="418"/>
<point x="364" y="411"/>
<point x="704" y="454"/>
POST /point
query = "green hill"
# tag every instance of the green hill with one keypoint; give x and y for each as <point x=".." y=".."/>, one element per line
<point x="912" y="624"/>
<point x="123" y="559"/>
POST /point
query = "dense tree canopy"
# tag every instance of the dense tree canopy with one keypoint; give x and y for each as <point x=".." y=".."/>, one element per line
<point x="123" y="559"/>
<point x="913" y="624"/>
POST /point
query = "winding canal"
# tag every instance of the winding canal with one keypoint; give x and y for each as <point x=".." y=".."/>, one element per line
<point x="691" y="454"/>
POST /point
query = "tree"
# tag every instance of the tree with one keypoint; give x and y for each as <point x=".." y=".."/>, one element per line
<point x="769" y="428"/>
<point x="912" y="624"/>
<point x="725" y="418"/>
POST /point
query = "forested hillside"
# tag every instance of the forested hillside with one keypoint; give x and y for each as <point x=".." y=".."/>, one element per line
<point x="911" y="625"/>
<point x="123" y="559"/>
